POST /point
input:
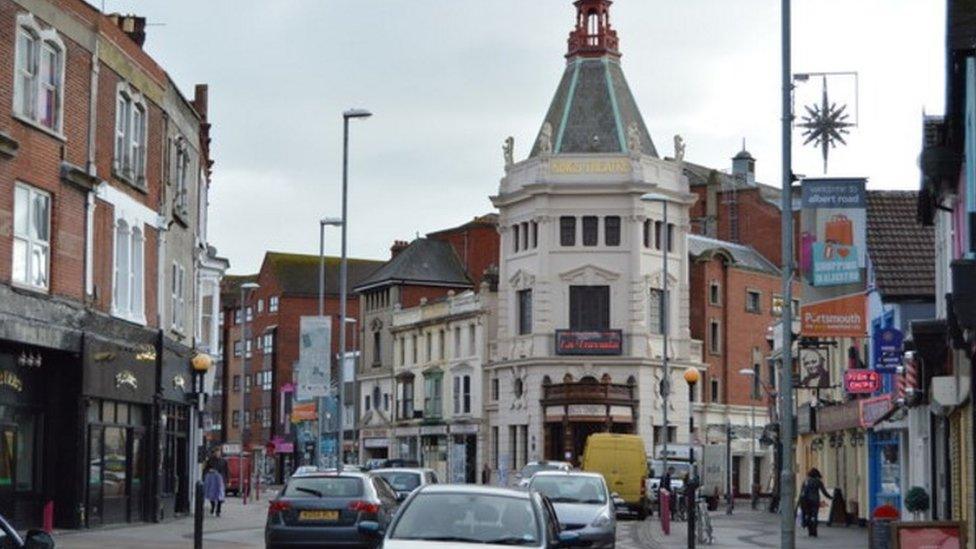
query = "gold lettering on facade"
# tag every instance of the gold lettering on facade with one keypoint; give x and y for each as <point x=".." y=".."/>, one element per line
<point x="582" y="167"/>
<point x="12" y="380"/>
<point x="126" y="377"/>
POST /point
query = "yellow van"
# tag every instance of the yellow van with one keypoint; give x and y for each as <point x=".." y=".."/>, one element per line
<point x="622" y="461"/>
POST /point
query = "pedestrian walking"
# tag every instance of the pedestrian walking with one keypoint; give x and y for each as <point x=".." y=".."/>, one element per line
<point x="810" y="500"/>
<point x="213" y="490"/>
<point x="217" y="461"/>
<point x="485" y="475"/>
<point x="666" y="485"/>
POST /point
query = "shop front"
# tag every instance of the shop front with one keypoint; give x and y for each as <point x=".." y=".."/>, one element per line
<point x="434" y="449"/>
<point x="408" y="443"/>
<point x="464" y="453"/>
<point x="376" y="443"/>
<point x="175" y="453"/>
<point x="119" y="383"/>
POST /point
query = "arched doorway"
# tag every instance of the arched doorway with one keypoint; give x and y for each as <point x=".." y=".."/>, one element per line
<point x="575" y="410"/>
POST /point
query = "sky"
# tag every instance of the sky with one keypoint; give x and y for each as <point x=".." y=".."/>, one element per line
<point x="449" y="80"/>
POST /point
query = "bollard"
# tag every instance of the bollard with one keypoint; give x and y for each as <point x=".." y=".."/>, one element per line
<point x="664" y="501"/>
<point x="198" y="516"/>
<point x="48" y="519"/>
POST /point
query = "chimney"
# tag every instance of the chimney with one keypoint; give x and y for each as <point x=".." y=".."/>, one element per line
<point x="397" y="247"/>
<point x="132" y="25"/>
<point x="200" y="99"/>
<point x="744" y="166"/>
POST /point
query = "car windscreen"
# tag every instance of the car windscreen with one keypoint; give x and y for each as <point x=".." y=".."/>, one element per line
<point x="570" y="489"/>
<point x="402" y="482"/>
<point x="323" y="487"/>
<point x="469" y="518"/>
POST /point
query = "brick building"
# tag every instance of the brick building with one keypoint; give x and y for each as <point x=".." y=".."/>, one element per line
<point x="95" y="340"/>
<point x="288" y="290"/>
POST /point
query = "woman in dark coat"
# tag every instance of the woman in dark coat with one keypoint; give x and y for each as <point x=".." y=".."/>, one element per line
<point x="810" y="500"/>
<point x="213" y="489"/>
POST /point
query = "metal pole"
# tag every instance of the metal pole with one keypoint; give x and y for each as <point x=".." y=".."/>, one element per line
<point x="244" y="339"/>
<point x="198" y="515"/>
<point x="728" y="468"/>
<point x="691" y="485"/>
<point x="666" y="327"/>
<point x="787" y="480"/>
<point x="753" y="474"/>
<point x="342" y="288"/>
<point x="322" y="399"/>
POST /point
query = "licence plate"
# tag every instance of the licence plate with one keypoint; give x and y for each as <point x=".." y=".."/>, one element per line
<point x="318" y="515"/>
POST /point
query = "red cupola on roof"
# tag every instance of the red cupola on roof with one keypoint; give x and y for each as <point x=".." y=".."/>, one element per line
<point x="593" y="36"/>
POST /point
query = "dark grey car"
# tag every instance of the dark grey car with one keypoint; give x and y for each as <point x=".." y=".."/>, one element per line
<point x="326" y="508"/>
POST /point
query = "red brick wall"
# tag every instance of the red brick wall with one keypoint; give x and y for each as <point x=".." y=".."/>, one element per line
<point x="38" y="163"/>
<point x="410" y="296"/>
<point x="478" y="247"/>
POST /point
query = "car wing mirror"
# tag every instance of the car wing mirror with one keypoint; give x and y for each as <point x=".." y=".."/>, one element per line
<point x="39" y="539"/>
<point x="370" y="528"/>
<point x="569" y="539"/>
<point x="401" y="497"/>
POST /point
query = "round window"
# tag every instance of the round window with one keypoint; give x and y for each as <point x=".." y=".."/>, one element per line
<point x="518" y="388"/>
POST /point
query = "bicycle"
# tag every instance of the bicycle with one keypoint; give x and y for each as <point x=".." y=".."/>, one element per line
<point x="703" y="524"/>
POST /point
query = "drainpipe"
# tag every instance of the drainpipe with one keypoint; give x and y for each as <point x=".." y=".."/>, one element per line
<point x="92" y="170"/>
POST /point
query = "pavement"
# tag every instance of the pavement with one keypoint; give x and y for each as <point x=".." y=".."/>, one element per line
<point x="745" y="528"/>
<point x="239" y="526"/>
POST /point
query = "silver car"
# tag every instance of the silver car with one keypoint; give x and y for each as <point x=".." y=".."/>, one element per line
<point x="405" y="480"/>
<point x="525" y="475"/>
<point x="583" y="504"/>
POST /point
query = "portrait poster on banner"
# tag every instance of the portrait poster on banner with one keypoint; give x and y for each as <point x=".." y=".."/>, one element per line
<point x="314" y="357"/>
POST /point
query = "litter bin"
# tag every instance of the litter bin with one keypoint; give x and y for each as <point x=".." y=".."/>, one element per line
<point x="879" y="528"/>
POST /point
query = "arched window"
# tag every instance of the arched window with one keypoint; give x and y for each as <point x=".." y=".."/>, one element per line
<point x="592" y="25"/>
<point x="631" y="381"/>
<point x="546" y="381"/>
<point x="587" y="379"/>
<point x="517" y="387"/>
<point x="376" y="397"/>
<point x="39" y="74"/>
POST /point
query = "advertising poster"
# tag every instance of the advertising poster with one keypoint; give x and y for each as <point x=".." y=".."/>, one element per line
<point x="833" y="225"/>
<point x="314" y="357"/>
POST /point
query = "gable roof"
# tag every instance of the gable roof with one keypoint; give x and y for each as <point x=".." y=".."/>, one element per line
<point x="742" y="256"/>
<point x="902" y="250"/>
<point x="425" y="261"/>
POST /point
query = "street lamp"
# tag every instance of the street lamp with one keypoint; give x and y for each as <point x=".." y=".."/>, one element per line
<point x="752" y="437"/>
<point x="691" y="377"/>
<point x="201" y="362"/>
<point x="343" y="266"/>
<point x="323" y="223"/>
<point x="665" y="312"/>
<point x="246" y="288"/>
<point x="340" y="428"/>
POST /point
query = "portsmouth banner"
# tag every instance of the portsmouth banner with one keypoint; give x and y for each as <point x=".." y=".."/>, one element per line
<point x="832" y="257"/>
<point x="314" y="352"/>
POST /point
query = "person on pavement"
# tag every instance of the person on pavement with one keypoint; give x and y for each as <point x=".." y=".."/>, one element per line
<point x="809" y="503"/>
<point x="666" y="485"/>
<point x="485" y="474"/>
<point x="217" y="461"/>
<point x="213" y="490"/>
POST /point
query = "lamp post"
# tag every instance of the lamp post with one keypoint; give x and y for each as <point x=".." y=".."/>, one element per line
<point x="340" y="428"/>
<point x="246" y="288"/>
<point x="665" y="240"/>
<point x="691" y="377"/>
<point x="323" y="223"/>
<point x="343" y="267"/>
<point x="752" y="437"/>
<point x="201" y="363"/>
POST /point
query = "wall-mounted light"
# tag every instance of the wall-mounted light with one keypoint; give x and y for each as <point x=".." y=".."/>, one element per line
<point x="29" y="360"/>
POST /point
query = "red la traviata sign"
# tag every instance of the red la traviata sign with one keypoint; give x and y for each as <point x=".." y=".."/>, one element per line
<point x="606" y="342"/>
<point x="862" y="381"/>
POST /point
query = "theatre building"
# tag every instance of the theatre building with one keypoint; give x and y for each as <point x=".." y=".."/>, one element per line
<point x="584" y="294"/>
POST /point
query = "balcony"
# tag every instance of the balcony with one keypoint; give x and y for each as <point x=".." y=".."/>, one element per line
<point x="589" y="393"/>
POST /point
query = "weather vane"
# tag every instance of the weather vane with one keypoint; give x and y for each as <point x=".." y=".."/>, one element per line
<point x="825" y="124"/>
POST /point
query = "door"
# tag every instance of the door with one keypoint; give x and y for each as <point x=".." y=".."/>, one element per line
<point x="115" y="475"/>
<point x="137" y="477"/>
<point x="8" y="467"/>
<point x="95" y="454"/>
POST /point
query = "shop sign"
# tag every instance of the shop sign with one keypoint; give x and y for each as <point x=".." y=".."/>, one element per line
<point x="179" y="382"/>
<point x="375" y="433"/>
<point x="304" y="411"/>
<point x="433" y="430"/>
<point x="376" y="443"/>
<point x="11" y="380"/>
<point x="231" y="448"/>
<point x="840" y="317"/>
<point x="889" y="350"/>
<point x="607" y="342"/>
<point x="873" y="409"/>
<point x="861" y="381"/>
<point x="464" y="429"/>
<point x="621" y="413"/>
<point x="587" y="410"/>
<point x="126" y="378"/>
<point x="407" y="431"/>
<point x="554" y="412"/>
<point x="839" y="417"/>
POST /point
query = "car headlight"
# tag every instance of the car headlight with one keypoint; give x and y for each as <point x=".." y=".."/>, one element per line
<point x="602" y="520"/>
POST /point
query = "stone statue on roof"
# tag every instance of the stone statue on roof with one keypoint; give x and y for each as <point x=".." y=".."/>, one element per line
<point x="509" y="150"/>
<point x="633" y="138"/>
<point x="545" y="139"/>
<point x="679" y="148"/>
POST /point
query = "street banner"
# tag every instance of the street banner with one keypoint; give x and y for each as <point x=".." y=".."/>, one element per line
<point x="839" y="317"/>
<point x="889" y="350"/>
<point x="314" y="357"/>
<point x="713" y="470"/>
<point x="833" y="229"/>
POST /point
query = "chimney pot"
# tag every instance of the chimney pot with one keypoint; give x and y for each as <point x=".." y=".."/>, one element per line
<point x="397" y="247"/>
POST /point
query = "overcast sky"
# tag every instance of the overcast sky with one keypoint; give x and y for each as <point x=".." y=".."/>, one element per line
<point x="448" y="80"/>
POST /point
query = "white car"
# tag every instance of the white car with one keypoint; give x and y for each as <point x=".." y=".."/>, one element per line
<point x="405" y="480"/>
<point x="463" y="515"/>
<point x="523" y="477"/>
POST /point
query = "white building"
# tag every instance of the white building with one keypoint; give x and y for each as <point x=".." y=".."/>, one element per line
<point x="581" y="290"/>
